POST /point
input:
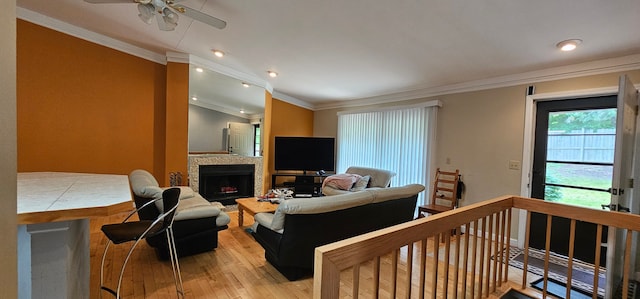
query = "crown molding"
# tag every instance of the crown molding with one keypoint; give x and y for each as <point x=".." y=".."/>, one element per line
<point x="178" y="57"/>
<point x="291" y="100"/>
<point x="222" y="109"/>
<point x="618" y="64"/>
<point x="57" y="25"/>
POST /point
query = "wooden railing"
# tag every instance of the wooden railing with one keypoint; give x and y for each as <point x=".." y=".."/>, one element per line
<point x="457" y="254"/>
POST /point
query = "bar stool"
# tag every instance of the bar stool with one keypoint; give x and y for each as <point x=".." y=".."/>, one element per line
<point x="138" y="230"/>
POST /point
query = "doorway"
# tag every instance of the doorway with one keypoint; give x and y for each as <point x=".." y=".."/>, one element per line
<point x="241" y="139"/>
<point x="573" y="161"/>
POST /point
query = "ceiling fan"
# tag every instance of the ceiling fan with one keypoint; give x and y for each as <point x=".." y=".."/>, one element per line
<point x="166" y="13"/>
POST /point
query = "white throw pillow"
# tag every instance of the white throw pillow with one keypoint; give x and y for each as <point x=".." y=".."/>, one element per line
<point x="361" y="184"/>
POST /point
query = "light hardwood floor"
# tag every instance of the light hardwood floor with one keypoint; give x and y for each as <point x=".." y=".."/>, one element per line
<point x="236" y="269"/>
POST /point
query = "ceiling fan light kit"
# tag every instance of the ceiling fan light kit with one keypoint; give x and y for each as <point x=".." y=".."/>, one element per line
<point x="166" y="12"/>
<point x="145" y="12"/>
<point x="169" y="18"/>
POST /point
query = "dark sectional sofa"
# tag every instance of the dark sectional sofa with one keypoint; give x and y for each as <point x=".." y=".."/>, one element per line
<point x="299" y="225"/>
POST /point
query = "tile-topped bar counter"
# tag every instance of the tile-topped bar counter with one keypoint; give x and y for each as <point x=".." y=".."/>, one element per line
<point x="53" y="228"/>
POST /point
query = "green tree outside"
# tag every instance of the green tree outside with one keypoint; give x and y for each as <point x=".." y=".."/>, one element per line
<point x="577" y="120"/>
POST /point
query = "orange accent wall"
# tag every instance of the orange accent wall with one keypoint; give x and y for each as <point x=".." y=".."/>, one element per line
<point x="83" y="107"/>
<point x="290" y="120"/>
<point x="286" y="120"/>
<point x="266" y="142"/>
<point x="177" y="116"/>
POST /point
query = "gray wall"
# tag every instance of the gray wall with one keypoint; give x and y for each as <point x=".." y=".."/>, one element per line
<point x="8" y="156"/>
<point x="205" y="129"/>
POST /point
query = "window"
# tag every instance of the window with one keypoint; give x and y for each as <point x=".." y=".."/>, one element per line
<point x="399" y="140"/>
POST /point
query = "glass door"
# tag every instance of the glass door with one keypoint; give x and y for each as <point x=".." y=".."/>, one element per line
<point x="580" y="148"/>
<point x="573" y="164"/>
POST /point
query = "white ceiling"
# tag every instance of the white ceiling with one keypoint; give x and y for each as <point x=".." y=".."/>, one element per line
<point x="335" y="52"/>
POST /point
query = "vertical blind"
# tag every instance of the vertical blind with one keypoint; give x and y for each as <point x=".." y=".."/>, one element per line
<point x="397" y="140"/>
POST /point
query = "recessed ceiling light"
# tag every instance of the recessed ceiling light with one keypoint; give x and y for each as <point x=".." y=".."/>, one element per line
<point x="194" y="98"/>
<point x="569" y="45"/>
<point x="199" y="70"/>
<point x="242" y="111"/>
<point x="272" y="74"/>
<point x="218" y="53"/>
<point x="245" y="84"/>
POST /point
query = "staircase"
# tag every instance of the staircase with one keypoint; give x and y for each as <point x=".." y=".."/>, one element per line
<point x="515" y="294"/>
<point x="409" y="260"/>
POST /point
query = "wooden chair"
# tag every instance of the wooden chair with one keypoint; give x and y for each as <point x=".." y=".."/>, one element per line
<point x="444" y="196"/>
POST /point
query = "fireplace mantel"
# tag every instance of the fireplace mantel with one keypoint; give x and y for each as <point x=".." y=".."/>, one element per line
<point x="221" y="159"/>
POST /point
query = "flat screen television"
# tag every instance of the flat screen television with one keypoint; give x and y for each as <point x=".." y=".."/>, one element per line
<point x="305" y="153"/>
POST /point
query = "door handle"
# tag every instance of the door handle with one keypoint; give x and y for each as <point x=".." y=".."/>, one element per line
<point x="616" y="191"/>
<point x="623" y="209"/>
<point x="614" y="207"/>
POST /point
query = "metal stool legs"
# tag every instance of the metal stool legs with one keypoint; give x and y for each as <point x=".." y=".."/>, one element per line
<point x="175" y="266"/>
<point x="115" y="293"/>
<point x="173" y="255"/>
<point x="138" y="230"/>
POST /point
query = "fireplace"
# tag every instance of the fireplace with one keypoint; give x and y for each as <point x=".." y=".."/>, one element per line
<point x="226" y="183"/>
<point x="197" y="160"/>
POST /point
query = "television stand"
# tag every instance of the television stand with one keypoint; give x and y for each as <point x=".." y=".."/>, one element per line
<point x="299" y="183"/>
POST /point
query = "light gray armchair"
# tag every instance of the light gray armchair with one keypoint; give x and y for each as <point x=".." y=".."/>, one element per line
<point x="378" y="178"/>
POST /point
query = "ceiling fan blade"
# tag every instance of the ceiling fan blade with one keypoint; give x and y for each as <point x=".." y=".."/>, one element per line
<point x="111" y="1"/>
<point x="202" y="17"/>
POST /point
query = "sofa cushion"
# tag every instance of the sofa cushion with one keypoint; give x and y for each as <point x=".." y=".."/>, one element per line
<point x="151" y="192"/>
<point x="318" y="205"/>
<point x="379" y="177"/>
<point x="185" y="193"/>
<point x="195" y="207"/>
<point x="265" y="219"/>
<point x="328" y="191"/>
<point x="140" y="180"/>
<point x="384" y="194"/>
<point x="222" y="219"/>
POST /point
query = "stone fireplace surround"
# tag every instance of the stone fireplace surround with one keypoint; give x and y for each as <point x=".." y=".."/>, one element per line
<point x="223" y="159"/>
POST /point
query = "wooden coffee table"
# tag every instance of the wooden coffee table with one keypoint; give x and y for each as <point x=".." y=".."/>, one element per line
<point x="252" y="206"/>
